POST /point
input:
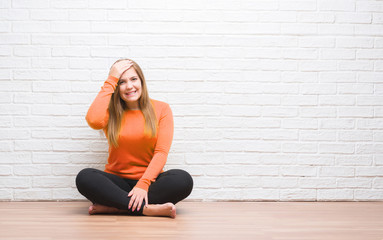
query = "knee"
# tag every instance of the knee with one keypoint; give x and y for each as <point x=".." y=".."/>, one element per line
<point x="83" y="177"/>
<point x="185" y="179"/>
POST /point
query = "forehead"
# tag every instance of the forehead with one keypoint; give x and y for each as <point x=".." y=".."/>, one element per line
<point x="131" y="72"/>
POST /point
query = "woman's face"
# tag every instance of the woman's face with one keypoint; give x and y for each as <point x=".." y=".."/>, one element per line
<point x="130" y="88"/>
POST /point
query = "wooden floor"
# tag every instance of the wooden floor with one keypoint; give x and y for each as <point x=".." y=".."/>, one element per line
<point x="197" y="220"/>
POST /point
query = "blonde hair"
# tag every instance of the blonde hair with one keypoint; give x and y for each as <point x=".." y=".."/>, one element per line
<point x="117" y="106"/>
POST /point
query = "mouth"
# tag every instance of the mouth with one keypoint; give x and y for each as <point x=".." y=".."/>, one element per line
<point x="129" y="94"/>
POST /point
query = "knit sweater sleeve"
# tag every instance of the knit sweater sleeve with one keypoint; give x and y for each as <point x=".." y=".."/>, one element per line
<point x="98" y="114"/>
<point x="161" y="150"/>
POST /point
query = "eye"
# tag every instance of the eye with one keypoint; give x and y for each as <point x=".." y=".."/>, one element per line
<point x="134" y="79"/>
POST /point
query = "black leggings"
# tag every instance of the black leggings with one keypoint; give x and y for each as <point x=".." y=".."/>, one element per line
<point x="111" y="190"/>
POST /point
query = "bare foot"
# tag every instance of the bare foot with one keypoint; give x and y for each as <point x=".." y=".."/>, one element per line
<point x="163" y="210"/>
<point x="97" y="208"/>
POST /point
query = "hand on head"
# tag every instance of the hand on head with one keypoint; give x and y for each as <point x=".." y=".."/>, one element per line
<point x="119" y="67"/>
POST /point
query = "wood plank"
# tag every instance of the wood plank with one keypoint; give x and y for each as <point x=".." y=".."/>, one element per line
<point x="197" y="220"/>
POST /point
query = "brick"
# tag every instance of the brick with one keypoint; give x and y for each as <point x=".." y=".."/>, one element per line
<point x="354" y="42"/>
<point x="336" y="148"/>
<point x="337" y="123"/>
<point x="340" y="5"/>
<point x="315" y="17"/>
<point x="15" y="157"/>
<point x="299" y="148"/>
<point x="54" y="86"/>
<point x="70" y="27"/>
<point x="369" y="6"/>
<point x="370" y="77"/>
<point x="32" y="121"/>
<point x="315" y="42"/>
<point x="366" y="29"/>
<point x="6" y="171"/>
<point x="351" y="65"/>
<point x="260" y="5"/>
<point x="298" y="194"/>
<point x="67" y="194"/>
<point x="369" y="171"/>
<point x="315" y="160"/>
<point x="28" y="98"/>
<point x="32" y="170"/>
<point x="31" y="75"/>
<point x="49" y="39"/>
<point x="12" y="134"/>
<point x="353" y="17"/>
<point x="354" y="160"/>
<point x="370" y="124"/>
<point x="275" y="159"/>
<point x="88" y="158"/>
<point x="52" y="182"/>
<point x="13" y="109"/>
<point x="49" y="15"/>
<point x="355" y="136"/>
<point x="300" y="77"/>
<point x="318" y="112"/>
<point x="49" y="158"/>
<point x="318" y="65"/>
<point x="369" y="148"/>
<point x="367" y="195"/>
<point x="14" y="38"/>
<point x="336" y="172"/>
<point x="369" y="100"/>
<point x="70" y="52"/>
<point x="321" y="88"/>
<point x="354" y="183"/>
<point x="378" y="136"/>
<point x="71" y="145"/>
<point x="279" y="182"/>
<point x="33" y="145"/>
<point x="281" y="17"/>
<point x="377" y="183"/>
<point x="321" y="183"/>
<point x="337" y="100"/>
<point x="335" y="194"/>
<point x="331" y="54"/>
<point x="298" y="171"/>
<point x="310" y="135"/>
<point x="355" y="112"/>
<point x="50" y="110"/>
<point x="30" y="27"/>
<point x="300" y="123"/>
<point x="355" y="89"/>
<point x="377" y="18"/>
<point x="300" y="54"/>
<point x="15" y="182"/>
<point x="278" y="134"/>
<point x="29" y="4"/>
<point x="280" y="112"/>
<point x="297" y="5"/>
<point x="33" y="194"/>
<point x="69" y="4"/>
<point x="6" y="195"/>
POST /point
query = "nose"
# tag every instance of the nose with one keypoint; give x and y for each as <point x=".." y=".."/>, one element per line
<point x="129" y="85"/>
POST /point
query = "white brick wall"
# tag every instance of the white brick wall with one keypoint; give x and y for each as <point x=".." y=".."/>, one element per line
<point x="273" y="100"/>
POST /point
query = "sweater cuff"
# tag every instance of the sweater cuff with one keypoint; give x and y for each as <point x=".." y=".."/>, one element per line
<point x="114" y="79"/>
<point x="143" y="184"/>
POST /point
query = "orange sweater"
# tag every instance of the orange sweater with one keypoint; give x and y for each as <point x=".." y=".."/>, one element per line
<point x="138" y="156"/>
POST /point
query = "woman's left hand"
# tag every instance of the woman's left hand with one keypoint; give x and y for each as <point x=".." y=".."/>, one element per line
<point x="137" y="196"/>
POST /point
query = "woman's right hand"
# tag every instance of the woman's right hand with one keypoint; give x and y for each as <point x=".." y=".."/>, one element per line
<point x="119" y="67"/>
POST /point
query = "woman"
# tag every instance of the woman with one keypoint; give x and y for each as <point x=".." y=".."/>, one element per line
<point x="139" y="132"/>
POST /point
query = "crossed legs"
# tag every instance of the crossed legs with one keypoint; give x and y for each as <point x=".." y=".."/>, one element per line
<point x="109" y="192"/>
